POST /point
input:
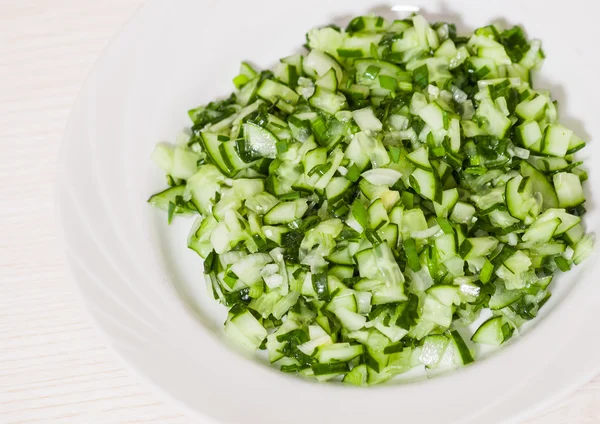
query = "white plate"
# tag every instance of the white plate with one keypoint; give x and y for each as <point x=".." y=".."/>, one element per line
<point x="145" y="289"/>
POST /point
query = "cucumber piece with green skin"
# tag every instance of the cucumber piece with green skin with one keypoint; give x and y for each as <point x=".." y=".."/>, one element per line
<point x="433" y="350"/>
<point x="382" y="176"/>
<point x="366" y="120"/>
<point x="518" y="262"/>
<point x="377" y="215"/>
<point x="328" y="81"/>
<point x="436" y="312"/>
<point x="339" y="294"/>
<point x="184" y="163"/>
<point x="540" y="184"/>
<point x="342" y="272"/>
<point x="382" y="293"/>
<point x="568" y="189"/>
<point x="337" y="188"/>
<point x="502" y="219"/>
<point x="260" y="142"/>
<point x="446" y="294"/>
<point x="583" y="248"/>
<point x="575" y="144"/>
<point x="493" y="332"/>
<point x="426" y="184"/>
<point x="496" y="123"/>
<point x="465" y="355"/>
<point x="378" y="263"/>
<point x="518" y="194"/>
<point x="449" y="200"/>
<point x="248" y="92"/>
<point x="358" y="376"/>
<point x="246" y="329"/>
<point x="503" y="298"/>
<point x="530" y="135"/>
<point x="341" y="257"/>
<point x="350" y="320"/>
<point x="477" y="247"/>
<point x="556" y="140"/>
<point x="335" y="159"/>
<point x="446" y="246"/>
<point x="161" y="200"/>
<point x="420" y="159"/>
<point x="248" y="268"/>
<point x="567" y="221"/>
<point x="532" y="109"/>
<point x="357" y="155"/>
<point x="574" y="234"/>
<point x="317" y="64"/>
<point x="327" y="101"/>
<point x="288" y="74"/>
<point x="231" y="158"/>
<point x="199" y="237"/>
<point x="374" y="149"/>
<point x="286" y="212"/>
<point x="390" y="234"/>
<point x="365" y="67"/>
<point x="455" y="137"/>
<point x="313" y="158"/>
<point x="211" y="144"/>
<point x="433" y="116"/>
<point x="541" y="232"/>
<point x="462" y="213"/>
<point x="273" y="91"/>
<point x="548" y="164"/>
<point x="273" y="345"/>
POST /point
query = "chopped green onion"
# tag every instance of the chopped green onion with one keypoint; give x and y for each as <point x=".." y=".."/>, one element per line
<point x="421" y="76"/>
<point x="347" y="53"/>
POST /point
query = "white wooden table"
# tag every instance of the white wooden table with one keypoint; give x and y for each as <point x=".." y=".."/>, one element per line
<point x="54" y="367"/>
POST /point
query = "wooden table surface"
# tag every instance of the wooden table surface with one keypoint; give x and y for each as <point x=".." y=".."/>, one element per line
<point x="54" y="366"/>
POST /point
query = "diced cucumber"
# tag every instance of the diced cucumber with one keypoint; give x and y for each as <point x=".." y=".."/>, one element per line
<point x="328" y="81"/>
<point x="286" y="212"/>
<point x="568" y="189"/>
<point x="374" y="149"/>
<point x="433" y="116"/>
<point x="317" y="63"/>
<point x="377" y="215"/>
<point x="462" y="213"/>
<point x="556" y="140"/>
<point x="449" y="200"/>
<point x="575" y="144"/>
<point x="433" y="350"/>
<point x="436" y="312"/>
<point x="211" y="145"/>
<point x="519" y="190"/>
<point x="273" y="91"/>
<point x="337" y="188"/>
<point x="540" y="184"/>
<point x="532" y="109"/>
<point x="327" y="101"/>
<point x="496" y="123"/>
<point x="445" y="294"/>
<point x="530" y="135"/>
<point x="358" y="376"/>
<point x="246" y="329"/>
<point x="366" y="120"/>
<point x="476" y="247"/>
<point x="382" y="176"/>
<point x="420" y="159"/>
<point x="426" y="184"/>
